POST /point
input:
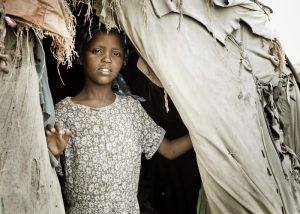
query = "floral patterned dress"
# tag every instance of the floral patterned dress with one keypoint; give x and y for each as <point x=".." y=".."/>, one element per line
<point x="101" y="163"/>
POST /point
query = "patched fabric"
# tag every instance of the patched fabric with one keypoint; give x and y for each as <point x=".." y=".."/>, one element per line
<point x="102" y="160"/>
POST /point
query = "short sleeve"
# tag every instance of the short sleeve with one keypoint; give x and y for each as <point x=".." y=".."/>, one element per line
<point x="60" y="113"/>
<point x="151" y="134"/>
<point x="60" y="118"/>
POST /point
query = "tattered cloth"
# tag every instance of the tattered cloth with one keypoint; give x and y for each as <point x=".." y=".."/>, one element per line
<point x="47" y="17"/>
<point x="212" y="81"/>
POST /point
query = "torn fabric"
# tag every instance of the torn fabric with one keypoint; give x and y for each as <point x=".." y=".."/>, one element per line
<point x="214" y="88"/>
<point x="47" y="17"/>
<point x="28" y="182"/>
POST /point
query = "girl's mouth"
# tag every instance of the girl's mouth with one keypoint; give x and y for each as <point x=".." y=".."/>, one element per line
<point x="104" y="71"/>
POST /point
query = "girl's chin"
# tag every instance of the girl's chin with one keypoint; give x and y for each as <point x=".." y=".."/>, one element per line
<point x="105" y="81"/>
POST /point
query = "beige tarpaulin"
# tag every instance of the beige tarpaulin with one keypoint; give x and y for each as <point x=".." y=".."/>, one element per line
<point x="47" y="17"/>
<point x="218" y="69"/>
<point x="28" y="183"/>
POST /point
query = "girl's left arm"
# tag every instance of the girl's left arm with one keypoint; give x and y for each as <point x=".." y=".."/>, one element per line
<point x="172" y="149"/>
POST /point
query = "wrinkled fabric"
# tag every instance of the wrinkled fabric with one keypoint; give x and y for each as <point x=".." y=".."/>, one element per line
<point x="46" y="100"/>
<point x="274" y="86"/>
<point x="28" y="183"/>
<point x="48" y="14"/>
<point x="278" y="112"/>
<point x="289" y="108"/>
<point x="214" y="88"/>
<point x="53" y="161"/>
<point x="223" y="18"/>
<point x="280" y="99"/>
<point x="146" y="70"/>
<point x="202" y="203"/>
<point x="48" y="17"/>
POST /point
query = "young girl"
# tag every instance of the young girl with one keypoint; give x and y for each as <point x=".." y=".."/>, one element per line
<point x="101" y="158"/>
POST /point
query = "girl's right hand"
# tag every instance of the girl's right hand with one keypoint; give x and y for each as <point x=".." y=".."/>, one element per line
<point x="57" y="138"/>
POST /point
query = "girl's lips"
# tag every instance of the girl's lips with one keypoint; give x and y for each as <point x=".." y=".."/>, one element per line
<point x="104" y="71"/>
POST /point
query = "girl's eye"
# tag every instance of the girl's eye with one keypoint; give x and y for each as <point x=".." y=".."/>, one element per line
<point x="97" y="51"/>
<point x="118" y="54"/>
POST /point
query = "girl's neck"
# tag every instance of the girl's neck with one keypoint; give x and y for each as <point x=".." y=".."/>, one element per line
<point x="95" y="96"/>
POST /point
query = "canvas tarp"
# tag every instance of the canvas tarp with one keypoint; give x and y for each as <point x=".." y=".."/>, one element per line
<point x="216" y="84"/>
<point x="47" y="17"/>
<point x="28" y="183"/>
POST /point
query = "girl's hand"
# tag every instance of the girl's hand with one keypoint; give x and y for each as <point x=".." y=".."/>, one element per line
<point x="57" y="138"/>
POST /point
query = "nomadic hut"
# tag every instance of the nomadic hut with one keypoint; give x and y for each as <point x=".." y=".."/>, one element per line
<point x="226" y="74"/>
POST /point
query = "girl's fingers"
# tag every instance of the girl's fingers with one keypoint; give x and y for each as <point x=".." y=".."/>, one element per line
<point x="48" y="133"/>
<point x="50" y="128"/>
<point x="57" y="127"/>
<point x="68" y="132"/>
<point x="66" y="135"/>
<point x="61" y="131"/>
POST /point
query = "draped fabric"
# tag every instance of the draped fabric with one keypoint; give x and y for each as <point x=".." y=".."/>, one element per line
<point x="28" y="183"/>
<point x="47" y="17"/>
<point x="213" y="68"/>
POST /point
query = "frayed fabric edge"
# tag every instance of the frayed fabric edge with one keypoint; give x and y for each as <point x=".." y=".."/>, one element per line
<point x="106" y="10"/>
<point x="63" y="49"/>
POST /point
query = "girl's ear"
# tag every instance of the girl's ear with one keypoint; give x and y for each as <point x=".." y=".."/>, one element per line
<point x="79" y="61"/>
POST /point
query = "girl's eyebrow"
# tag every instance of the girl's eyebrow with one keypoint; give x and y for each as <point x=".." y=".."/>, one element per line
<point x="103" y="46"/>
<point x="119" y="49"/>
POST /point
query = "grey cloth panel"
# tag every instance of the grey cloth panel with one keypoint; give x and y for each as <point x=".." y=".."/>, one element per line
<point x="292" y="111"/>
<point x="223" y="18"/>
<point x="216" y="96"/>
<point x="54" y="162"/>
<point x="202" y="203"/>
<point x="280" y="98"/>
<point x="29" y="182"/>
<point x="44" y="90"/>
<point x="45" y="93"/>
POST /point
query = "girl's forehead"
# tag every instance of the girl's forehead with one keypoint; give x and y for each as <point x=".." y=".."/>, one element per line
<point x="107" y="38"/>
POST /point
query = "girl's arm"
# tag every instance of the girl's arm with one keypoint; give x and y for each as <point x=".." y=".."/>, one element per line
<point x="172" y="149"/>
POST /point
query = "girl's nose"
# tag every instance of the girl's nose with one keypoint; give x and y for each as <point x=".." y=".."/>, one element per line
<point x="106" y="58"/>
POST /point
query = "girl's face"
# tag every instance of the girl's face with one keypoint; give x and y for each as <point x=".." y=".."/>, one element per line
<point x="103" y="58"/>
